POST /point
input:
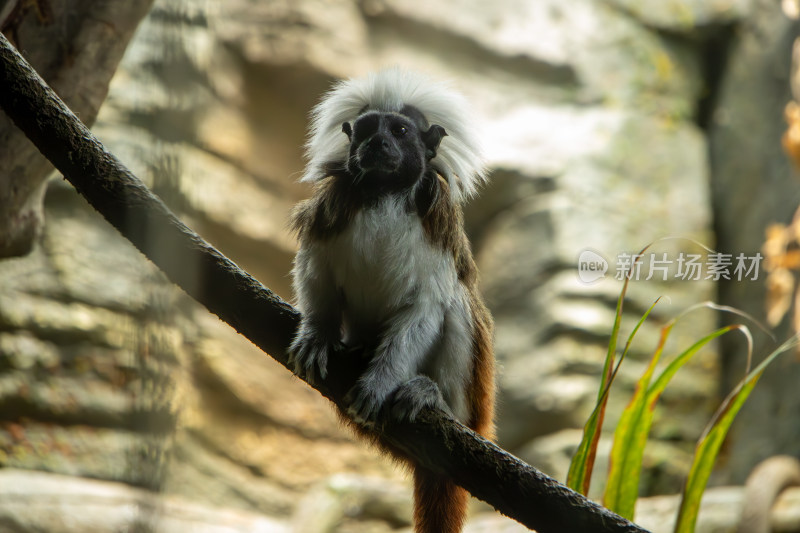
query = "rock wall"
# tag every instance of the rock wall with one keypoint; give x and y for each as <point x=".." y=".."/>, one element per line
<point x="609" y="126"/>
<point x="755" y="186"/>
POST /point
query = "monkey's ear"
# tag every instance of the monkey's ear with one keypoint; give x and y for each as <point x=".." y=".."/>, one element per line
<point x="347" y="131"/>
<point x="432" y="138"/>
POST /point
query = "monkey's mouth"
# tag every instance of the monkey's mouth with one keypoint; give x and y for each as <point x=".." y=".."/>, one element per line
<point x="378" y="161"/>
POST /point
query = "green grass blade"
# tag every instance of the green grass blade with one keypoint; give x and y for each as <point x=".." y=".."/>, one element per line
<point x="668" y="373"/>
<point x="582" y="464"/>
<point x="630" y="437"/>
<point x="625" y="435"/>
<point x="703" y="462"/>
<point x="712" y="439"/>
<point x="580" y="469"/>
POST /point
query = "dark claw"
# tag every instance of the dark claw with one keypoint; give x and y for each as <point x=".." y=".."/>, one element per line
<point x="308" y="357"/>
<point x="363" y="404"/>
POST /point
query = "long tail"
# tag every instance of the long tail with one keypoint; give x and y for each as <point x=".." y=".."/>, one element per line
<point x="440" y="505"/>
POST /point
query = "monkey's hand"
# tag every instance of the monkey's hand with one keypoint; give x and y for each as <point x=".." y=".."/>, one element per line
<point x="414" y="395"/>
<point x="309" y="352"/>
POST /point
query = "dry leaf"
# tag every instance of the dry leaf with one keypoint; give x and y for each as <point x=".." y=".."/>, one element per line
<point x="780" y="286"/>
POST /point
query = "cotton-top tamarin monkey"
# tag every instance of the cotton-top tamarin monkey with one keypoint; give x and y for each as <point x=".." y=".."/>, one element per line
<point x="384" y="262"/>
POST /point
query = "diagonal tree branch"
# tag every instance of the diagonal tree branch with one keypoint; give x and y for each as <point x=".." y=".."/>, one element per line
<point x="433" y="440"/>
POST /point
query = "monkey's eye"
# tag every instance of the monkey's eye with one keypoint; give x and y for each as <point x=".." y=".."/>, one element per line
<point x="399" y="130"/>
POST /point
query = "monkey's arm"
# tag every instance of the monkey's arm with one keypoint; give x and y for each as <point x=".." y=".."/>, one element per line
<point x="319" y="332"/>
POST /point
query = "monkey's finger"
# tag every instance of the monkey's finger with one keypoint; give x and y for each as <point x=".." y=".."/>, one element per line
<point x="308" y="371"/>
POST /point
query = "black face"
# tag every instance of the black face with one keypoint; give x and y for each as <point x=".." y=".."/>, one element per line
<point x="390" y="151"/>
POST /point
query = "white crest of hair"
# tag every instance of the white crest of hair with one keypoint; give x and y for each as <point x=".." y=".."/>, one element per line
<point x="459" y="157"/>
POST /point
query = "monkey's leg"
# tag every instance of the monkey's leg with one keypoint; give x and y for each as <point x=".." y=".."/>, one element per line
<point x="451" y="361"/>
<point x="407" y="340"/>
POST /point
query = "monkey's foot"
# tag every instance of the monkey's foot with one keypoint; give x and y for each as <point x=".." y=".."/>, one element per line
<point x="414" y="395"/>
<point x="364" y="403"/>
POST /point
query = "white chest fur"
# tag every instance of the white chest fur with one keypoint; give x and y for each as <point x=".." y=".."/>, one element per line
<point x="383" y="262"/>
